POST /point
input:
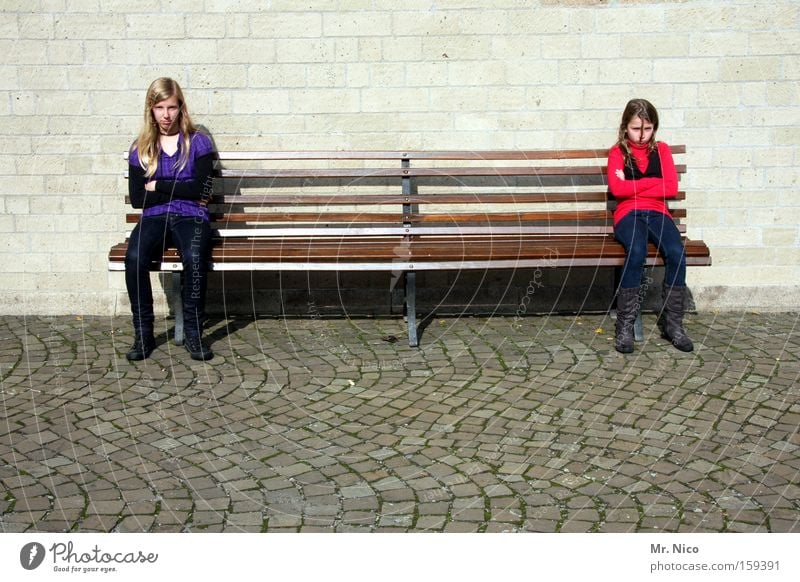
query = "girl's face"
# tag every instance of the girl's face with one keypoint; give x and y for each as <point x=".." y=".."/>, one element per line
<point x="639" y="131"/>
<point x="166" y="114"/>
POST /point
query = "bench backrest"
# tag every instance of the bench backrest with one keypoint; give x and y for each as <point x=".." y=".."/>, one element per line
<point x="395" y="193"/>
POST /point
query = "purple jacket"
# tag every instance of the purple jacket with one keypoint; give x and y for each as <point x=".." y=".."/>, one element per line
<point x="177" y="192"/>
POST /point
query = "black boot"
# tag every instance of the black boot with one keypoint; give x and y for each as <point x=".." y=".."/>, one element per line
<point x="672" y="319"/>
<point x="627" y="310"/>
<point x="143" y="345"/>
<point x="197" y="348"/>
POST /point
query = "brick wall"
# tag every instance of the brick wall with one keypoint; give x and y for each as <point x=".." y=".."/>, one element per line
<point x="366" y="74"/>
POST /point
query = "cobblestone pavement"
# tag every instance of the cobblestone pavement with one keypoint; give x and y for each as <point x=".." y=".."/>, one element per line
<point x="331" y="425"/>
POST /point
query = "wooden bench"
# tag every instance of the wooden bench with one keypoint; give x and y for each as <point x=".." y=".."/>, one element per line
<point x="407" y="212"/>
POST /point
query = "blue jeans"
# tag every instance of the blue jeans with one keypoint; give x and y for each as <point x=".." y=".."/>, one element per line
<point x="634" y="231"/>
<point x="192" y="237"/>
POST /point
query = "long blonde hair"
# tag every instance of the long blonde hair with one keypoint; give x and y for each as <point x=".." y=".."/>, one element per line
<point x="644" y="110"/>
<point x="148" y="143"/>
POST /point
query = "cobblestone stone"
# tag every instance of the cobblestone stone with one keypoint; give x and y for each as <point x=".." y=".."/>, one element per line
<point x="319" y="425"/>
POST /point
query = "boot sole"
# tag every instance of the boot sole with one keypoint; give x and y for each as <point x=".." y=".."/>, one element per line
<point x="674" y="345"/>
<point x="200" y="356"/>
<point x="139" y="356"/>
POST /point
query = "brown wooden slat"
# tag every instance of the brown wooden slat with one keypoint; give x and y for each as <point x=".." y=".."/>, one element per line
<point x="576" y="216"/>
<point x="420" y="172"/>
<point x="298" y="217"/>
<point x="398" y="155"/>
<point x="420" y="240"/>
<point x="412" y="172"/>
<point x="256" y="200"/>
<point x="555" y="216"/>
<point x="428" y="155"/>
<point x="453" y="155"/>
<point x="312" y="217"/>
<point x="475" y="198"/>
<point x="461" y="218"/>
<point x="420" y="250"/>
<point x="522" y="247"/>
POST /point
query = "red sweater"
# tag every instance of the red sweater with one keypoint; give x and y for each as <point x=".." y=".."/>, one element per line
<point x="645" y="193"/>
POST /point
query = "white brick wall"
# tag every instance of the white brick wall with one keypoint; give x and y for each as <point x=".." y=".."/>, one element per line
<point x="377" y="74"/>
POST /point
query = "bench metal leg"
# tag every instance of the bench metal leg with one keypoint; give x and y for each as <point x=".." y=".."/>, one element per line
<point x="411" y="309"/>
<point x="177" y="304"/>
<point x="638" y="328"/>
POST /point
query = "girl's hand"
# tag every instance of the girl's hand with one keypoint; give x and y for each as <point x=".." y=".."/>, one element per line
<point x="620" y="174"/>
<point x="150" y="186"/>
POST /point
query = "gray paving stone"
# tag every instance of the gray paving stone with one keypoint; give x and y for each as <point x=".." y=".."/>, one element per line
<point x="488" y="426"/>
<point x="461" y="527"/>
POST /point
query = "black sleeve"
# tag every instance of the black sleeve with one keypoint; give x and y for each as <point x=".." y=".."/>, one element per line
<point x="141" y="198"/>
<point x="197" y="188"/>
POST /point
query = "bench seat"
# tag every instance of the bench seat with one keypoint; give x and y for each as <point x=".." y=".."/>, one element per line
<point x="421" y="254"/>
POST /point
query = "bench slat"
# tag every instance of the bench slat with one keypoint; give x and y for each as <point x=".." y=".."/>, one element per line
<point x="432" y="249"/>
<point x="339" y="198"/>
<point x="420" y="172"/>
<point x="428" y="155"/>
<point x="472" y="198"/>
<point x="576" y="216"/>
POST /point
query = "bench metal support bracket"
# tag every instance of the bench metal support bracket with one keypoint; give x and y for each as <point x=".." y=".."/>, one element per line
<point x="410" y="276"/>
<point x="638" y="328"/>
<point x="411" y="309"/>
<point x="177" y="305"/>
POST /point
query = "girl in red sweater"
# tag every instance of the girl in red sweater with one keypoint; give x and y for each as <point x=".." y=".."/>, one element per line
<point x="641" y="176"/>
